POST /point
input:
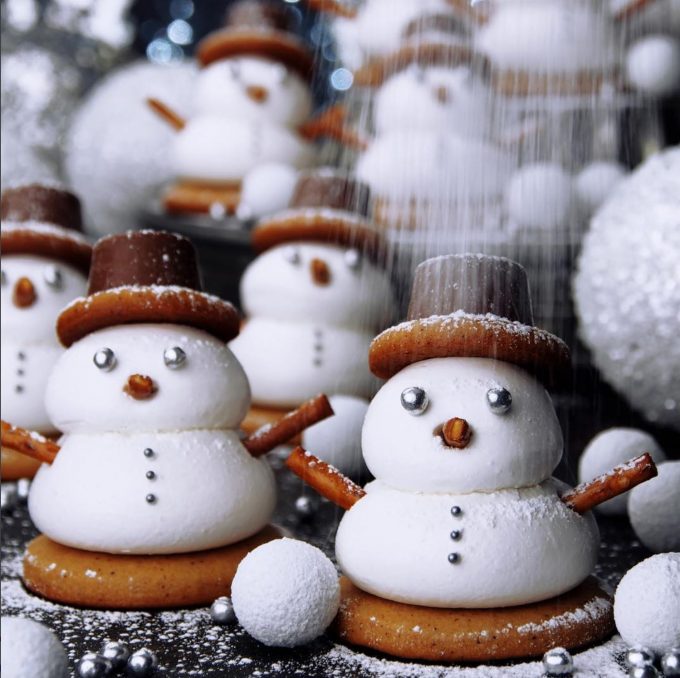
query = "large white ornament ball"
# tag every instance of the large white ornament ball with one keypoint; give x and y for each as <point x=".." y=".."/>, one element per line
<point x="285" y="593"/>
<point x="654" y="509"/>
<point x="337" y="440"/>
<point x="647" y="603"/>
<point x="595" y="182"/>
<point x="627" y="289"/>
<point x="266" y="189"/>
<point x="29" y="650"/>
<point x="653" y="65"/>
<point x="540" y="196"/>
<point x="118" y="151"/>
<point x="610" y="448"/>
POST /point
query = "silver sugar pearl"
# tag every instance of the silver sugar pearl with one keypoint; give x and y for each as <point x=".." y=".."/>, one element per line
<point x="93" y="665"/>
<point x="292" y="255"/>
<point x="150" y="475"/>
<point x="3" y="278"/>
<point x="670" y="663"/>
<point x="217" y="210"/>
<point x="304" y="506"/>
<point x="105" y="359"/>
<point x="142" y="663"/>
<point x="352" y="260"/>
<point x="117" y="653"/>
<point x="453" y="558"/>
<point x="639" y="656"/>
<point x="499" y="400"/>
<point x="456" y="511"/>
<point x="53" y="277"/>
<point x="174" y="357"/>
<point x="8" y="498"/>
<point x="23" y="488"/>
<point x="222" y="611"/>
<point x="150" y="498"/>
<point x="647" y="671"/>
<point x="455" y="535"/>
<point x="148" y="453"/>
<point x="414" y="400"/>
<point x="558" y="662"/>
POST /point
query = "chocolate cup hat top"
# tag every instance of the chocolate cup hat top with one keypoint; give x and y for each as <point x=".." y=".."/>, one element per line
<point x="259" y="14"/>
<point x="42" y="204"/>
<point x="331" y="190"/>
<point x="144" y="258"/>
<point x="471" y="283"/>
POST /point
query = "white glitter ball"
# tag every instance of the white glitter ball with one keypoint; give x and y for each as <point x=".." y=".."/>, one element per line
<point x="627" y="289"/>
<point x="266" y="189"/>
<point x="117" y="155"/>
<point x="30" y="650"/>
<point x="653" y="65"/>
<point x="285" y="593"/>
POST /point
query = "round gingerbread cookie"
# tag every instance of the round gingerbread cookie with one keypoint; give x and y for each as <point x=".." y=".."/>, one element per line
<point x="134" y="582"/>
<point x="197" y="198"/>
<point x="578" y="618"/>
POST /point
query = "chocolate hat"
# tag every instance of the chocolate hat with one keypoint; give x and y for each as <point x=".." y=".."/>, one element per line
<point x="258" y="28"/>
<point x="145" y="277"/>
<point x="473" y="306"/>
<point x="44" y="221"/>
<point x="327" y="206"/>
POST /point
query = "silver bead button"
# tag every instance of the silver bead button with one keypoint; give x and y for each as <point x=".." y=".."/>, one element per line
<point x="150" y="475"/>
<point x="148" y="453"/>
<point x="455" y="535"/>
<point x="453" y="558"/>
<point x="150" y="498"/>
<point x="456" y="511"/>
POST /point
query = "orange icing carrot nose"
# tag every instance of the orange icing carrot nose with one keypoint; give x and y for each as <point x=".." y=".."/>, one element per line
<point x="321" y="273"/>
<point x="456" y="433"/>
<point x="257" y="93"/>
<point x="24" y="294"/>
<point x="140" y="387"/>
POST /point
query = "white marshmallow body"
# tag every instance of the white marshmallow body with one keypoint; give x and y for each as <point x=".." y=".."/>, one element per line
<point x="29" y="650"/>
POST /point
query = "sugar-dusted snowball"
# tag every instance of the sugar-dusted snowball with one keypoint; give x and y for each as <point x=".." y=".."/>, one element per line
<point x="539" y="196"/>
<point x="653" y="65"/>
<point x="647" y="603"/>
<point x="30" y="650"/>
<point x="266" y="189"/>
<point x="337" y="439"/>
<point x="610" y="448"/>
<point x="595" y="182"/>
<point x="654" y="508"/>
<point x="285" y="593"/>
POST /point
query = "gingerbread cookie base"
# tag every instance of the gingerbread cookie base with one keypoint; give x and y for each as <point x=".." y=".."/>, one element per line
<point x="578" y="618"/>
<point x="197" y="198"/>
<point x="16" y="466"/>
<point x="134" y="582"/>
<point x="258" y="417"/>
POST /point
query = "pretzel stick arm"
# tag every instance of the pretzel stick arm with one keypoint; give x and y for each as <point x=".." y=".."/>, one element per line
<point x="28" y="443"/>
<point x="164" y="111"/>
<point x="332" y="7"/>
<point x="617" y="481"/>
<point x="324" y="478"/>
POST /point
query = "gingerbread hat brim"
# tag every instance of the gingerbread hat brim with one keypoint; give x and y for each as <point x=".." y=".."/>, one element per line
<point x="276" y="45"/>
<point x="51" y="242"/>
<point x="470" y="336"/>
<point x="324" y="225"/>
<point x="152" y="304"/>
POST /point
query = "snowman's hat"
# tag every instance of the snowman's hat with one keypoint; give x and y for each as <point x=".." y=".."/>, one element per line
<point x="258" y="28"/>
<point x="327" y="206"/>
<point x="472" y="306"/>
<point x="44" y="221"/>
<point x="145" y="277"/>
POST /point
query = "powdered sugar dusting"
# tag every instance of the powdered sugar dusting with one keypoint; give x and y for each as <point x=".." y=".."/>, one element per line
<point x="44" y="229"/>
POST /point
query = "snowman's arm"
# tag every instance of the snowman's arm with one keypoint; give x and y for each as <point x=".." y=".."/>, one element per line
<point x="332" y="7"/>
<point x="29" y="443"/>
<point x="617" y="481"/>
<point x="330" y="124"/>
<point x="174" y="119"/>
<point x="324" y="478"/>
<point x="268" y="437"/>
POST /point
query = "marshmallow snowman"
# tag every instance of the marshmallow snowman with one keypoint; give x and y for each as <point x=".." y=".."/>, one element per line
<point x="151" y="460"/>
<point x="44" y="266"/>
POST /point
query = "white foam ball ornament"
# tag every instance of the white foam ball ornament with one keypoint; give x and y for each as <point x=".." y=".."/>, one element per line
<point x="654" y="509"/>
<point x="595" y="182"/>
<point x="266" y="189"/>
<point x="29" y="649"/>
<point x="285" y="593"/>
<point x="647" y="603"/>
<point x="610" y="448"/>
<point x="653" y="65"/>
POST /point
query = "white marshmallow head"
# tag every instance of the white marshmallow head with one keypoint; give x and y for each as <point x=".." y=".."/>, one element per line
<point x="255" y="89"/>
<point x="433" y="98"/>
<point x="326" y="284"/>
<point x="196" y="382"/>
<point x="511" y="446"/>
<point x="53" y="284"/>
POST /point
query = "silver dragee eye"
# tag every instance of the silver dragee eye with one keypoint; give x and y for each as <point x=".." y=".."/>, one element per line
<point x="174" y="357"/>
<point x="3" y="278"/>
<point x="292" y="256"/>
<point x="352" y="260"/>
<point x="53" y="277"/>
<point x="105" y="359"/>
<point x="499" y="400"/>
<point x="414" y="400"/>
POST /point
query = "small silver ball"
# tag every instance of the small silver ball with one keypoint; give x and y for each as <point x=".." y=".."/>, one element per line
<point x="455" y="535"/>
<point x="414" y="400"/>
<point x="217" y="210"/>
<point x="53" y="277"/>
<point x="499" y="400"/>
<point x="8" y="498"/>
<point x="3" y="278"/>
<point x="150" y="498"/>
<point x="105" y="359"/>
<point x="174" y="357"/>
<point x="142" y="663"/>
<point x="292" y="256"/>
<point x="23" y="488"/>
<point x="647" y="671"/>
<point x="148" y="453"/>
<point x="670" y="663"/>
<point x="453" y="558"/>
<point x="639" y="656"/>
<point x="93" y="665"/>
<point x="304" y="506"/>
<point x="117" y="653"/>
<point x="456" y="511"/>
<point x="352" y="260"/>
<point x="558" y="662"/>
<point x="222" y="611"/>
<point x="150" y="475"/>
